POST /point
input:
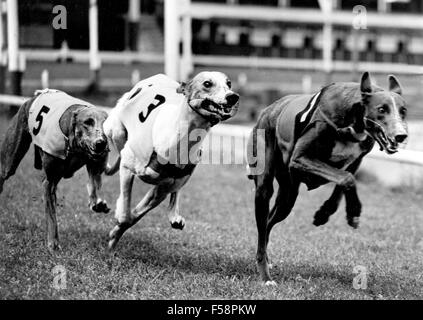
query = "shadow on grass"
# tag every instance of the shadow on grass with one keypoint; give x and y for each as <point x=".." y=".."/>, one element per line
<point x="151" y="251"/>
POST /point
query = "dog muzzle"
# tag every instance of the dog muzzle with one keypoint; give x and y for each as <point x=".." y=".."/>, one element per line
<point x="378" y="132"/>
<point x="213" y="111"/>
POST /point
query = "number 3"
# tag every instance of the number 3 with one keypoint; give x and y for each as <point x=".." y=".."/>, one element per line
<point x="39" y="119"/>
<point x="151" y="107"/>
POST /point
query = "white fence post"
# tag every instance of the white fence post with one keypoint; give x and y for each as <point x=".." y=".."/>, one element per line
<point x="44" y="79"/>
<point x="133" y="24"/>
<point x="327" y="9"/>
<point x="15" y="60"/>
<point x="186" y="66"/>
<point x="171" y="39"/>
<point x="95" y="62"/>
<point x="3" y="53"/>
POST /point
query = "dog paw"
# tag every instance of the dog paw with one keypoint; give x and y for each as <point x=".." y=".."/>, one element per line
<point x="113" y="239"/>
<point x="100" y="206"/>
<point x="270" y="283"/>
<point x="320" y="219"/>
<point x="178" y="223"/>
<point x="53" y="246"/>
<point x="353" y="222"/>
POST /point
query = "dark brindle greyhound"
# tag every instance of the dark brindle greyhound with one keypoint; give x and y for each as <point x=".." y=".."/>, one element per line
<point x="67" y="134"/>
<point x="320" y="139"/>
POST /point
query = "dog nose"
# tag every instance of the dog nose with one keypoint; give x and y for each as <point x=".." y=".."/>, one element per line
<point x="232" y="98"/>
<point x="400" y="137"/>
<point x="100" y="145"/>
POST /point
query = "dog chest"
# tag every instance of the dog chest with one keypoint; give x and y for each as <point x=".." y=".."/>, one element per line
<point x="345" y="153"/>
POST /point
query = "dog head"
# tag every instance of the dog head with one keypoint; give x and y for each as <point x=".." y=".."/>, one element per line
<point x="210" y="94"/>
<point x="385" y="113"/>
<point x="88" y="134"/>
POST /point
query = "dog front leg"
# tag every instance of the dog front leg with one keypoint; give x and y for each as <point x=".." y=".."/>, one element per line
<point x="94" y="184"/>
<point x="151" y="200"/>
<point x="353" y="204"/>
<point x="50" y="186"/>
<point x="305" y="165"/>
<point x="176" y="220"/>
<point x="342" y="178"/>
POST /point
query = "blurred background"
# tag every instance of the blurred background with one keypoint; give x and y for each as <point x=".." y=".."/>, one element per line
<point x="98" y="49"/>
<point x="270" y="47"/>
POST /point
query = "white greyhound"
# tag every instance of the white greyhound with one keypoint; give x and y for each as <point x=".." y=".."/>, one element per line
<point x="152" y="127"/>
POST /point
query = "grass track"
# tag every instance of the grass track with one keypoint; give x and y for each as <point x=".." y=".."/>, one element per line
<point x="214" y="256"/>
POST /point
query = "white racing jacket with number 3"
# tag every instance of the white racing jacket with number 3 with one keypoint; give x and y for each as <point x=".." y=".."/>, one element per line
<point x="152" y="115"/>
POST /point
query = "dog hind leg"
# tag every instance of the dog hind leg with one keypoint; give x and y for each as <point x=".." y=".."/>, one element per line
<point x="284" y="202"/>
<point x="176" y="220"/>
<point x="15" y="144"/>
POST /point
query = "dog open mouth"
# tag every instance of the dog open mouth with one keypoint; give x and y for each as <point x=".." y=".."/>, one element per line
<point x="378" y="132"/>
<point x="223" y="110"/>
<point x="385" y="142"/>
<point x="95" y="155"/>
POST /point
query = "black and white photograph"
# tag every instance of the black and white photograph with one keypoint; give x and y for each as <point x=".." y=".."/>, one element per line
<point x="233" y="151"/>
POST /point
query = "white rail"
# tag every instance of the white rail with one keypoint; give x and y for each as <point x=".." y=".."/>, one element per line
<point x="226" y="61"/>
<point x="310" y="16"/>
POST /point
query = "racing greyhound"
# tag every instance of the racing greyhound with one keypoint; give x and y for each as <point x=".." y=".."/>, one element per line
<point x="158" y="128"/>
<point x="67" y="134"/>
<point x="320" y="139"/>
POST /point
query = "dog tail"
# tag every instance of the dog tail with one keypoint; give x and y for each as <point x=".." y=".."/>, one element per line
<point x="112" y="169"/>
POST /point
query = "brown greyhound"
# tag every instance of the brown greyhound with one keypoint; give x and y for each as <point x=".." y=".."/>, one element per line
<point x="67" y="134"/>
<point x="320" y="139"/>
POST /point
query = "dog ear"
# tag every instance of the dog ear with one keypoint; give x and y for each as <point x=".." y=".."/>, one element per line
<point x="72" y="128"/>
<point x="366" y="84"/>
<point x="185" y="88"/>
<point x="104" y="114"/>
<point x="394" y="85"/>
<point x="181" y="88"/>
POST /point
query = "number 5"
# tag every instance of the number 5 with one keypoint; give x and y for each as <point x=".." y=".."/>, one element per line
<point x="39" y="119"/>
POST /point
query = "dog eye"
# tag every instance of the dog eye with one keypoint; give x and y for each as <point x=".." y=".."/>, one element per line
<point x="229" y="84"/>
<point x="207" y="84"/>
<point x="89" y="122"/>
<point x="403" y="111"/>
<point x="383" y="109"/>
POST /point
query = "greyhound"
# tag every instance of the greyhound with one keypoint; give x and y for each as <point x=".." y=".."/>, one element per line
<point x="67" y="134"/>
<point x="320" y="143"/>
<point x="149" y="126"/>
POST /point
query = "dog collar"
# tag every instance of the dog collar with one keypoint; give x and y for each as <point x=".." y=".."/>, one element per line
<point x="348" y="132"/>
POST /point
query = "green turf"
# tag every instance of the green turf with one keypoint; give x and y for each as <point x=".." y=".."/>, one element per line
<point x="213" y="257"/>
